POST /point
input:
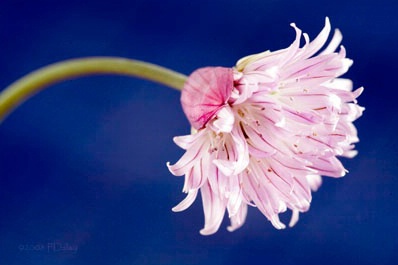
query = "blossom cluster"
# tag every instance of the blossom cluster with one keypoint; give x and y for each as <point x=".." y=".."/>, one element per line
<point x="266" y="130"/>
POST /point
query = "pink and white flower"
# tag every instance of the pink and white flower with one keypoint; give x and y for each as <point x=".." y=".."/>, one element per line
<point x="266" y="130"/>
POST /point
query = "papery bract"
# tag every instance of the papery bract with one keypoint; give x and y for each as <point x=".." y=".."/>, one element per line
<point x="267" y="130"/>
<point x="205" y="92"/>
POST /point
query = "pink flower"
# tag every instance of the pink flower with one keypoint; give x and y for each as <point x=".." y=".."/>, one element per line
<point x="266" y="130"/>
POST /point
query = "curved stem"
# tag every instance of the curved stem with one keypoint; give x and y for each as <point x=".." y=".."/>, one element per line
<point x="19" y="91"/>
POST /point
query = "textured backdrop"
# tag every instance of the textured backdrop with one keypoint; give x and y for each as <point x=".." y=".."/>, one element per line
<point x="83" y="177"/>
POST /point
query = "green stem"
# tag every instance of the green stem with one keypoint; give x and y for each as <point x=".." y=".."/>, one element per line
<point x="19" y="91"/>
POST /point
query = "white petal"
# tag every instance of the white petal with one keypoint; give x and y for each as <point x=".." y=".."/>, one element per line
<point x="238" y="219"/>
<point x="295" y="218"/>
<point x="224" y="120"/>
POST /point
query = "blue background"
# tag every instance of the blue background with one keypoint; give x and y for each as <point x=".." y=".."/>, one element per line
<point x="83" y="164"/>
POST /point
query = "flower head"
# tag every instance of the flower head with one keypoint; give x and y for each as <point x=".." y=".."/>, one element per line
<point x="266" y="130"/>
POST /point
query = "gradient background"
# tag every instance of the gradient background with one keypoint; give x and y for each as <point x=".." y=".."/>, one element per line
<point x="83" y="163"/>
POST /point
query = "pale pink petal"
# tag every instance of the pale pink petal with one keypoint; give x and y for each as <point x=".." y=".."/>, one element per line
<point x="293" y="48"/>
<point x="264" y="199"/>
<point x="339" y="83"/>
<point x="214" y="210"/>
<point x="190" y="157"/>
<point x="196" y="176"/>
<point x="334" y="43"/>
<point x="187" y="141"/>
<point x="329" y="166"/>
<point x="319" y="41"/>
<point x="234" y="195"/>
<point x="218" y="181"/>
<point x="184" y="204"/>
<point x="238" y="219"/>
<point x="238" y="154"/>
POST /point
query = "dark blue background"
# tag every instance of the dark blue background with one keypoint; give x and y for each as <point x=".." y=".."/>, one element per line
<point x="83" y="163"/>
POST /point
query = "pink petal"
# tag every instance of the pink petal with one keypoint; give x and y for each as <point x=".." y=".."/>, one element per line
<point x="184" y="204"/>
<point x="238" y="219"/>
<point x="295" y="218"/>
<point x="319" y="41"/>
<point x="237" y="154"/>
<point x="214" y="210"/>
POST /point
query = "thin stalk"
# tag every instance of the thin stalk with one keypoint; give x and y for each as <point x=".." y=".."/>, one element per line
<point x="36" y="81"/>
